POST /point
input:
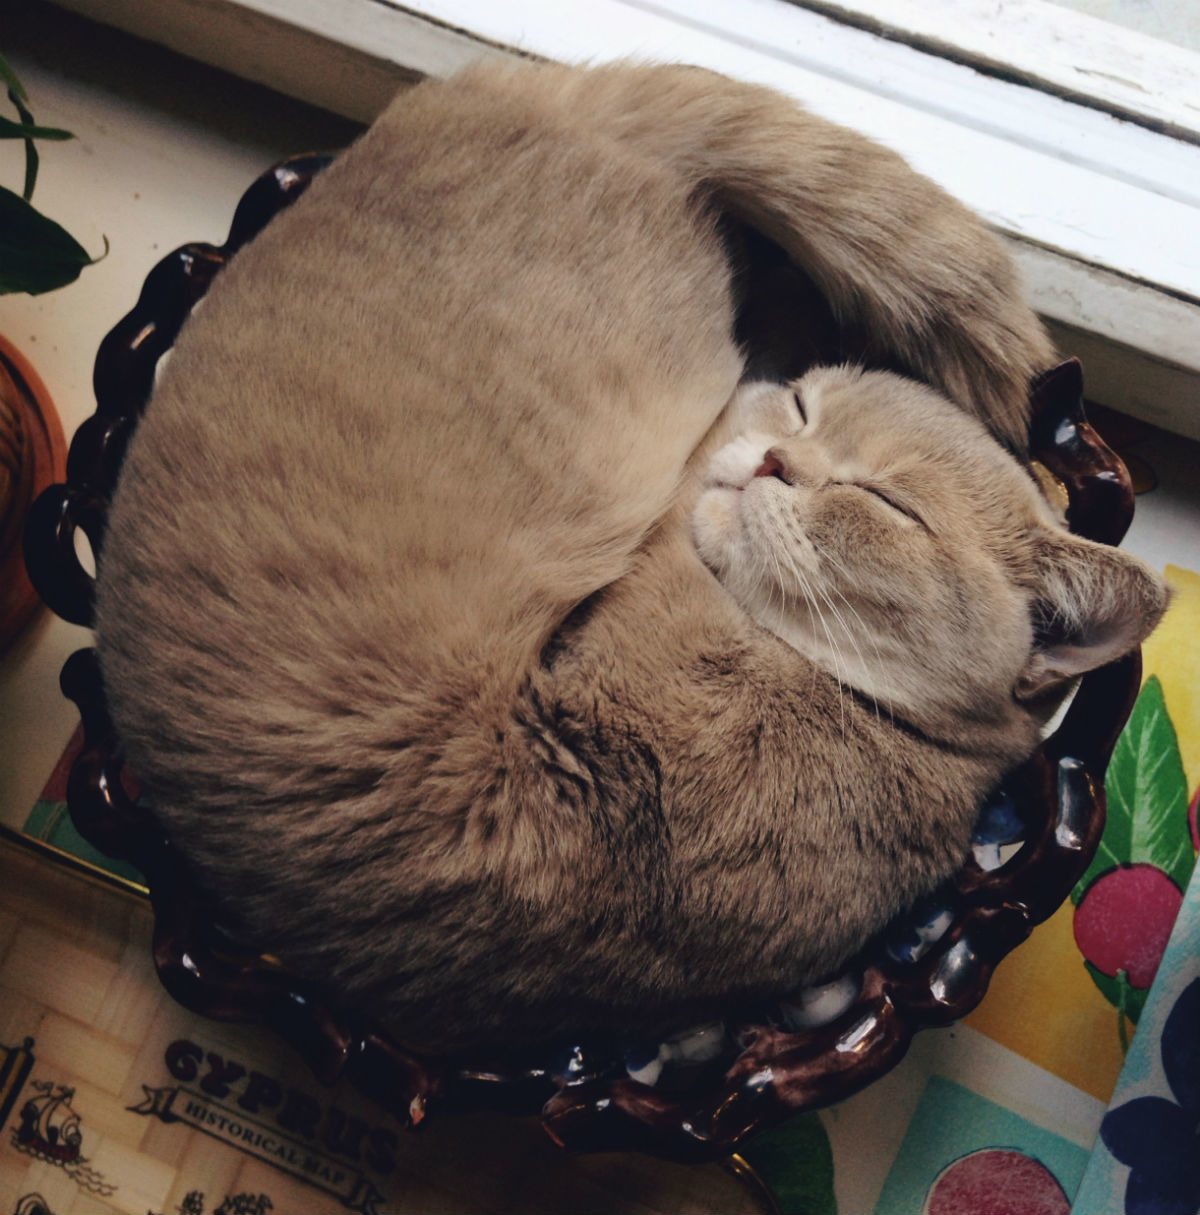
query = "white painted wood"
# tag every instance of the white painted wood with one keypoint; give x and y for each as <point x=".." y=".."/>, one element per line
<point x="1132" y="382"/>
<point x="1113" y="232"/>
<point x="890" y="70"/>
<point x="1033" y="192"/>
<point x="1029" y="163"/>
<point x="1121" y="310"/>
<point x="1176" y="21"/>
<point x="1079" y="54"/>
<point x="1106" y="214"/>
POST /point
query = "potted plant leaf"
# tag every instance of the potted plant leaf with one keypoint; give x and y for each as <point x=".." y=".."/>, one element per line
<point x="36" y="255"/>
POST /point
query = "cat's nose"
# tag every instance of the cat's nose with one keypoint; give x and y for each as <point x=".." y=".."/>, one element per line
<point x="773" y="466"/>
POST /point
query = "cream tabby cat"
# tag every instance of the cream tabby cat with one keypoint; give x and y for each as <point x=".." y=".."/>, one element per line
<point x="407" y="608"/>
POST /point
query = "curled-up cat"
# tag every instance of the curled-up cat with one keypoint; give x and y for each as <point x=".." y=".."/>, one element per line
<point x="460" y="688"/>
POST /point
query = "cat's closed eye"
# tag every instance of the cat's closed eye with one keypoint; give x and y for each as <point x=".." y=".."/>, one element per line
<point x="800" y="408"/>
<point x="896" y="504"/>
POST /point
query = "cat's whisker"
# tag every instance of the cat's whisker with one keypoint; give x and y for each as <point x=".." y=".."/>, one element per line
<point x="805" y="597"/>
<point x="862" y="630"/>
<point x="778" y="582"/>
<point x="841" y="624"/>
<point x="838" y="661"/>
<point x="845" y="628"/>
<point x="773" y="578"/>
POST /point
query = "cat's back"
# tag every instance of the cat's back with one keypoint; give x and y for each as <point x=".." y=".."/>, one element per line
<point x="437" y="402"/>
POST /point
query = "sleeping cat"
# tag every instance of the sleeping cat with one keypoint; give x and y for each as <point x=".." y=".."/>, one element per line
<point x="492" y="668"/>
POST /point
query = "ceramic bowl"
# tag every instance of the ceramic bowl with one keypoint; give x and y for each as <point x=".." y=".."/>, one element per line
<point x="697" y="1094"/>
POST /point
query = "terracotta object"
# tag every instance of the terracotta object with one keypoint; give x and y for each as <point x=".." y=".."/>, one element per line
<point x="697" y="1095"/>
<point x="33" y="454"/>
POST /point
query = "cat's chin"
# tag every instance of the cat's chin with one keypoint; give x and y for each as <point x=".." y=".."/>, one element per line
<point x="817" y="650"/>
<point x="844" y="663"/>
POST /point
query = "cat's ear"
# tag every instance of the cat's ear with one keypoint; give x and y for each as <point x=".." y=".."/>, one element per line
<point x="1092" y="604"/>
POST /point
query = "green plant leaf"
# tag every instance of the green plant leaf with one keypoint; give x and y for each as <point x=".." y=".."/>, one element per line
<point x="28" y="130"/>
<point x="796" y="1162"/>
<point x="31" y="152"/>
<point x="36" y="254"/>
<point x="9" y="79"/>
<point x="1147" y="798"/>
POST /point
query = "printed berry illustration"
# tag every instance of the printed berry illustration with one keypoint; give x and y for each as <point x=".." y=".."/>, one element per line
<point x="1127" y="901"/>
<point x="996" y="1181"/>
<point x="1124" y="920"/>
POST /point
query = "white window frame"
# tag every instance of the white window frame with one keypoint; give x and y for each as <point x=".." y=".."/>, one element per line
<point x="1078" y="142"/>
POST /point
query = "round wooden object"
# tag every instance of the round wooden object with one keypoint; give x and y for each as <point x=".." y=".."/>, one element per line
<point x="33" y="454"/>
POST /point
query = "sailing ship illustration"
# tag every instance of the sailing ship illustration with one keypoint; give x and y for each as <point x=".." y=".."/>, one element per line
<point x="49" y="1126"/>
<point x="49" y="1130"/>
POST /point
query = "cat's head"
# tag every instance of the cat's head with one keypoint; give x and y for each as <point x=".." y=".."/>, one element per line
<point x="873" y="526"/>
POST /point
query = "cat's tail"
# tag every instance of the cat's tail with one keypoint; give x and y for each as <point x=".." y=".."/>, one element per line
<point x="900" y="261"/>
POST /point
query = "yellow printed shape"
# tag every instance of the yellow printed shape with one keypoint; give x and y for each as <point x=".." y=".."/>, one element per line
<point x="1043" y="1004"/>
<point x="1172" y="653"/>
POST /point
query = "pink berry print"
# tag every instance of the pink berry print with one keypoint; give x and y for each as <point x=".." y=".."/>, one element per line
<point x="996" y="1181"/>
<point x="1124" y="920"/>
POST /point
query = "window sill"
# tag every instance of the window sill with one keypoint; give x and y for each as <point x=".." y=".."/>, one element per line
<point x="1102" y="214"/>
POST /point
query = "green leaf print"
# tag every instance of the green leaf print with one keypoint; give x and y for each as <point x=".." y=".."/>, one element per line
<point x="795" y="1160"/>
<point x="1130" y="1000"/>
<point x="1146" y="836"/>
<point x="1147" y="797"/>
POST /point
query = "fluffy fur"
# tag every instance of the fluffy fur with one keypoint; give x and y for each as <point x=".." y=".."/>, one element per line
<point x="402" y="607"/>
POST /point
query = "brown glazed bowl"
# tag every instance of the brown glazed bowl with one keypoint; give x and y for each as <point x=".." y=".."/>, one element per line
<point x="700" y="1094"/>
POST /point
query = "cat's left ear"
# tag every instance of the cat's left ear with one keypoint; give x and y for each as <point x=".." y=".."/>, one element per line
<point x="1093" y="603"/>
